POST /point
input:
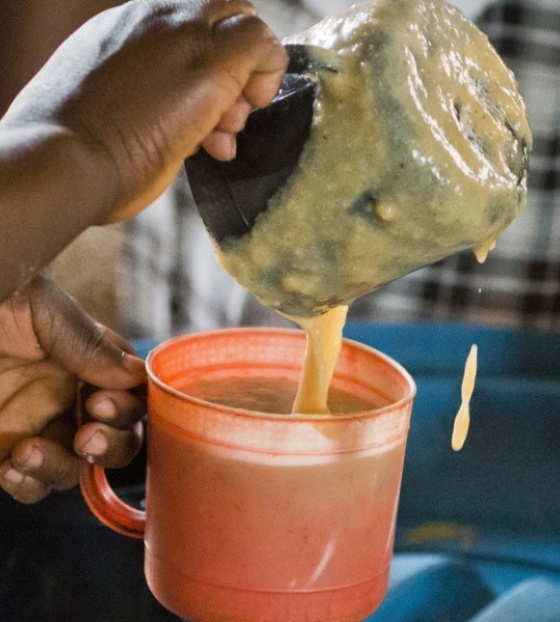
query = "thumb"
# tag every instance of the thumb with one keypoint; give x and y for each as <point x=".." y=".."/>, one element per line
<point x="83" y="347"/>
<point x="241" y="57"/>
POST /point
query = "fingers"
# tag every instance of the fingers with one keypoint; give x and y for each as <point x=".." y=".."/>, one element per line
<point x="221" y="143"/>
<point x="120" y="409"/>
<point x="22" y="488"/>
<point x="39" y="457"/>
<point x="81" y="346"/>
<point x="258" y="81"/>
<point x="38" y="466"/>
<point x="235" y="66"/>
<point x="233" y="120"/>
<point x="245" y="48"/>
<point x="108" y="446"/>
<point x="115" y="436"/>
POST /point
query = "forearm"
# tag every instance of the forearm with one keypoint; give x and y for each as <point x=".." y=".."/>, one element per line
<point x="129" y="122"/>
<point x="52" y="187"/>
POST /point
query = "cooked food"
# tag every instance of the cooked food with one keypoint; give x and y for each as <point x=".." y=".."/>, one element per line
<point x="418" y="149"/>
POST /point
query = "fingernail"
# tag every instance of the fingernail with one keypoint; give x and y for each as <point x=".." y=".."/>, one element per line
<point x="133" y="363"/>
<point x="96" y="445"/>
<point x="31" y="458"/>
<point x="233" y="146"/>
<point x="105" y="409"/>
<point x="14" y="477"/>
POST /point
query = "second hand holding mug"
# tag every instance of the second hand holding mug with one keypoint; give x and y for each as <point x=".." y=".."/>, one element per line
<point x="255" y="516"/>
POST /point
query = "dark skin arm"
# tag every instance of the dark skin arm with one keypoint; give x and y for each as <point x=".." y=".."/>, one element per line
<point x="31" y="30"/>
<point x="94" y="138"/>
<point x="102" y="129"/>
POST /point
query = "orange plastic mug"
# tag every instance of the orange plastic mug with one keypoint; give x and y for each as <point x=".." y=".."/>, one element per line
<point x="265" y="517"/>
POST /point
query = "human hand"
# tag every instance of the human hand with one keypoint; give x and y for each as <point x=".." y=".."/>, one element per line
<point x="47" y="345"/>
<point x="142" y="86"/>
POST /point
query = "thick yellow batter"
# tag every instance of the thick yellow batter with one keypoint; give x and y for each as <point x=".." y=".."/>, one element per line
<point x="418" y="150"/>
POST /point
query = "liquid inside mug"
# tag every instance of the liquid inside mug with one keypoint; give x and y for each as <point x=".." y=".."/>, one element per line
<point x="259" y="516"/>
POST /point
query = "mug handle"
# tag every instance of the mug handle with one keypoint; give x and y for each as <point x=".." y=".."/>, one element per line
<point x="102" y="499"/>
<point x="106" y="505"/>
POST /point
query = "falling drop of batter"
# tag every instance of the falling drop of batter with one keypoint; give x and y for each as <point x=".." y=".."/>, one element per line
<point x="462" y="419"/>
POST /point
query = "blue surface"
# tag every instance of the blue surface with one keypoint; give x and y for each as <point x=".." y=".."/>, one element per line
<point x="508" y="474"/>
<point x="478" y="536"/>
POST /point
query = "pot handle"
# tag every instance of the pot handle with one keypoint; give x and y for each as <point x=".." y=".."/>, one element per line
<point x="102" y="499"/>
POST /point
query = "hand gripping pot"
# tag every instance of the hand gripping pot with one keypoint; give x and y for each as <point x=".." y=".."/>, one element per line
<point x="261" y="517"/>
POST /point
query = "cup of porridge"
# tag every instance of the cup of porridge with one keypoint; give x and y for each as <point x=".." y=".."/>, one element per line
<point x="255" y="513"/>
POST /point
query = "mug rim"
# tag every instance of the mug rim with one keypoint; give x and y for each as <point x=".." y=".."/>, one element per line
<point x="289" y="417"/>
